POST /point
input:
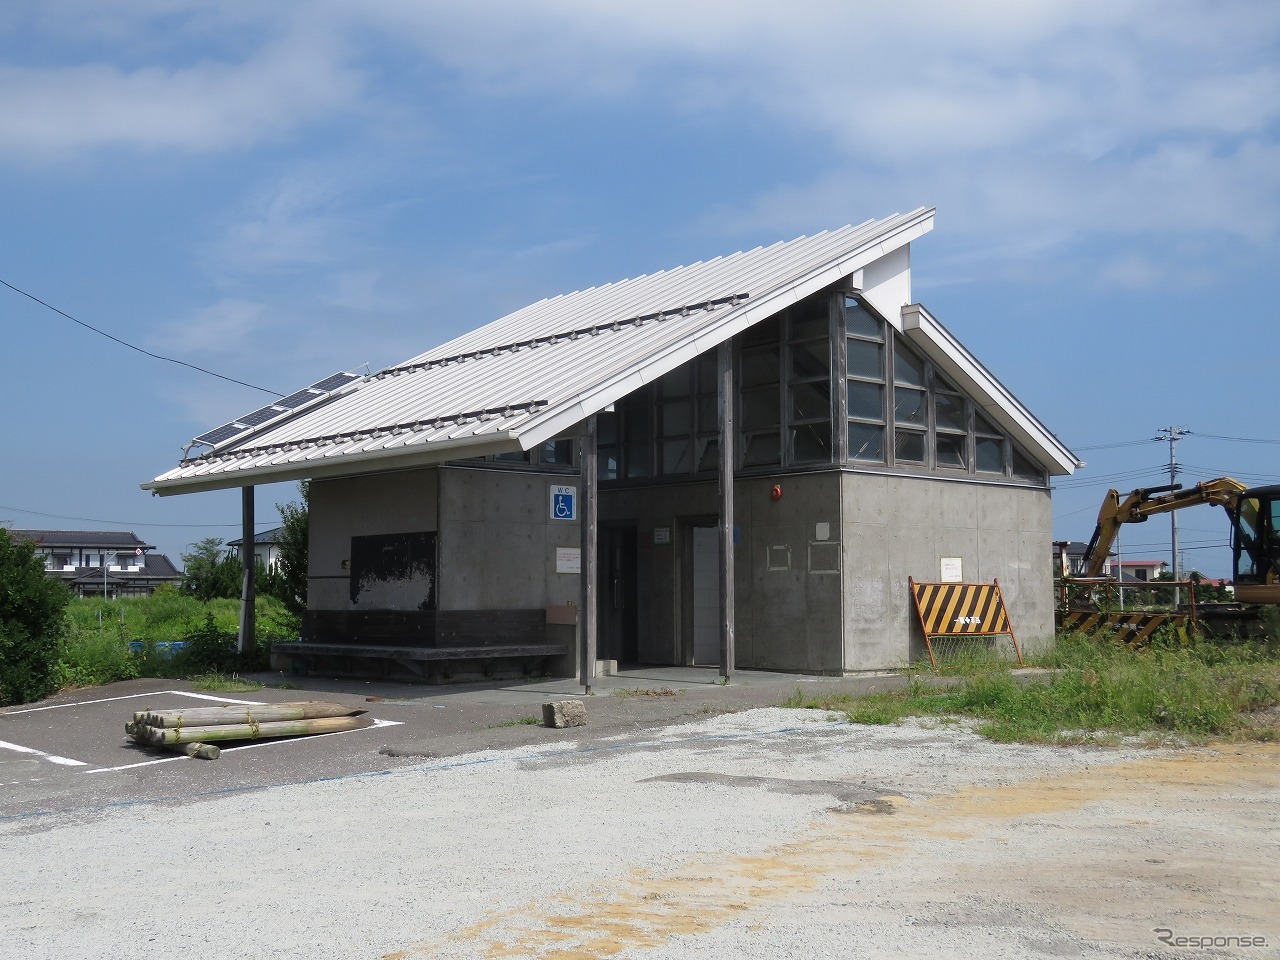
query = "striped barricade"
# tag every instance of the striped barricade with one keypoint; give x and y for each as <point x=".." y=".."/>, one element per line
<point x="961" y="610"/>
<point x="1134" y="629"/>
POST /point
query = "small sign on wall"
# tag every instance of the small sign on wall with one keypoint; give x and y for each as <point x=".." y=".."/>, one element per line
<point x="568" y="559"/>
<point x="951" y="570"/>
<point x="564" y="503"/>
<point x="661" y="534"/>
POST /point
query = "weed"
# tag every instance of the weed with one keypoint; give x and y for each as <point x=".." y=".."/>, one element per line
<point x="1099" y="691"/>
<point x="225" y="683"/>
<point x="648" y="692"/>
<point x="530" y="721"/>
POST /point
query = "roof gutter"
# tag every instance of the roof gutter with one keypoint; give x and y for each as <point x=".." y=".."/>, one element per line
<point x="345" y="465"/>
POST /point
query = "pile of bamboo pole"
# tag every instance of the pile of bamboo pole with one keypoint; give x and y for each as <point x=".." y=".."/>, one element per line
<point x="189" y="730"/>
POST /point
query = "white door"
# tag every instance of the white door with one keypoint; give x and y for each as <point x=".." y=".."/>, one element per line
<point x="706" y="595"/>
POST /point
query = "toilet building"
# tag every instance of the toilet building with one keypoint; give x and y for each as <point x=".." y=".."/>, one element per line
<point x="767" y="444"/>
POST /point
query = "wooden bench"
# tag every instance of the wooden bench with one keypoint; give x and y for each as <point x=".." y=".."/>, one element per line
<point x="422" y="662"/>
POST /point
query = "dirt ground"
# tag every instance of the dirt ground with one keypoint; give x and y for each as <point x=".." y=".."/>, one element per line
<point x="767" y="833"/>
<point x="1127" y="859"/>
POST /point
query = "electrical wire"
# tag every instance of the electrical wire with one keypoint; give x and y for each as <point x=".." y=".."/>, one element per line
<point x="123" y="523"/>
<point x="1113" y="446"/>
<point x="125" y="343"/>
<point x="1105" y="479"/>
<point x="1214" y="436"/>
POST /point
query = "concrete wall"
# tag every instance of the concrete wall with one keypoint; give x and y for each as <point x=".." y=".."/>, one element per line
<point x="788" y="608"/>
<point x="384" y="503"/>
<point x="897" y="528"/>
<point x="498" y="543"/>
<point x="821" y="573"/>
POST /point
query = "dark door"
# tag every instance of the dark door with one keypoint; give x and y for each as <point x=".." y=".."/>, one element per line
<point x="619" y="633"/>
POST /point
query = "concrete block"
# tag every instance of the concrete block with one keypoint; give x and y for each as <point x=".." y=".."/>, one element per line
<point x="564" y="713"/>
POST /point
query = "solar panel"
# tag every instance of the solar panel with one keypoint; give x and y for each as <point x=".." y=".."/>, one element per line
<point x="334" y="382"/>
<point x="261" y="415"/>
<point x="297" y="399"/>
<point x="218" y="434"/>
<point x="273" y="410"/>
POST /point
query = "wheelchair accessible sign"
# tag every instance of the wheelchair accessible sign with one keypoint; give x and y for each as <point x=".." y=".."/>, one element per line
<point x="564" y="503"/>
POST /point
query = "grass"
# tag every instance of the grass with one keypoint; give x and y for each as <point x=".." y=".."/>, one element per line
<point x="530" y="721"/>
<point x="95" y="647"/>
<point x="1099" y="690"/>
<point x="647" y="692"/>
<point x="215" y="680"/>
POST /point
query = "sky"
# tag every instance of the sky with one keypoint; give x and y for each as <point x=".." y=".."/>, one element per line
<point x="275" y="192"/>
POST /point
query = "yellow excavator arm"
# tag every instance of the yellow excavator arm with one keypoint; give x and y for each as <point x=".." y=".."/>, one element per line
<point x="1147" y="502"/>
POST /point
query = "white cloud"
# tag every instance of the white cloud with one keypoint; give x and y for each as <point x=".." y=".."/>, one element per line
<point x="298" y="221"/>
<point x="200" y="106"/>
<point x="226" y="327"/>
<point x="1027" y="123"/>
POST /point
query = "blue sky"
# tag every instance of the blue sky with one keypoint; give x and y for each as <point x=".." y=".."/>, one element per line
<point x="279" y="191"/>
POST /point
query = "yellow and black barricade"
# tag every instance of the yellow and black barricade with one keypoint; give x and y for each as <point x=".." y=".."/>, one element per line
<point x="961" y="610"/>
<point x="1134" y="629"/>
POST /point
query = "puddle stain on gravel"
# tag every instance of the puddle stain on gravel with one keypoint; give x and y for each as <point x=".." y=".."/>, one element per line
<point x="647" y="910"/>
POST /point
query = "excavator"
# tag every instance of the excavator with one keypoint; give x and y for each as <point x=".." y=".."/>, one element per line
<point x="1255" y="529"/>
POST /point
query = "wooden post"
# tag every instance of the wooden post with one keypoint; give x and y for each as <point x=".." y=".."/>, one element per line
<point x="587" y="523"/>
<point x="725" y="363"/>
<point x="248" y="618"/>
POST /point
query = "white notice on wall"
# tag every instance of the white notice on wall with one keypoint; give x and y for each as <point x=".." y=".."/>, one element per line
<point x="568" y="559"/>
<point x="951" y="572"/>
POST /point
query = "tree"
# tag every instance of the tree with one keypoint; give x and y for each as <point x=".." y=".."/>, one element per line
<point x="209" y="572"/>
<point x="292" y="565"/>
<point x="32" y="609"/>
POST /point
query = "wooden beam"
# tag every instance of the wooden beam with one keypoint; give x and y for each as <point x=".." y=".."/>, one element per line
<point x="587" y="518"/>
<point x="248" y="618"/>
<point x="725" y="364"/>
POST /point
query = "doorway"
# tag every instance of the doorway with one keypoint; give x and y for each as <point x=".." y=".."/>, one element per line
<point x="704" y="595"/>
<point x="618" y="624"/>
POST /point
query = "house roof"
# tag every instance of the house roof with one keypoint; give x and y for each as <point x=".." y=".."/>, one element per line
<point x="538" y="372"/>
<point x="155" y="566"/>
<point x="95" y="539"/>
<point x="271" y="536"/>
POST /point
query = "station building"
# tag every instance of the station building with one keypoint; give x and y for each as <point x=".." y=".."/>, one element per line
<point x="865" y="445"/>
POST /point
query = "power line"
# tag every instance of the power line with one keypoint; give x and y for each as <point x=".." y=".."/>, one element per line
<point x="125" y="343"/>
<point x="119" y="523"/>
<point x="1112" y="446"/>
<point x="1214" y="436"/>
<point x="1105" y="479"/>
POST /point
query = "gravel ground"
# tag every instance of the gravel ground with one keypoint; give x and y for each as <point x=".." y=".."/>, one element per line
<point x="768" y="833"/>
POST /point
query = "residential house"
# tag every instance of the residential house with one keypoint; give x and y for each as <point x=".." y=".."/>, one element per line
<point x="93" y="563"/>
<point x="266" y="546"/>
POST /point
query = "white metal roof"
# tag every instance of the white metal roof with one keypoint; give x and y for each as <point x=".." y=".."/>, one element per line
<point x="526" y="377"/>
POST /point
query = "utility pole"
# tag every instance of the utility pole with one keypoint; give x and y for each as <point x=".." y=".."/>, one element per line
<point x="1172" y="435"/>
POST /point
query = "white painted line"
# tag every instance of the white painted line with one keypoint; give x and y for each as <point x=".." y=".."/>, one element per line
<point x="52" y="758"/>
<point x="247" y="746"/>
<point x="205" y="696"/>
<point x="133" y="696"/>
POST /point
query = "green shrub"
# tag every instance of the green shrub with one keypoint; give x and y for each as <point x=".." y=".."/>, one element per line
<point x="31" y="622"/>
<point x="91" y="657"/>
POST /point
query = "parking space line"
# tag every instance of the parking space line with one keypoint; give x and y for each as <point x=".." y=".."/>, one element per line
<point x="132" y="696"/>
<point x="247" y="746"/>
<point x="52" y="758"/>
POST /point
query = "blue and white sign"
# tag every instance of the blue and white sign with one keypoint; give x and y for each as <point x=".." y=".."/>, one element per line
<point x="564" y="503"/>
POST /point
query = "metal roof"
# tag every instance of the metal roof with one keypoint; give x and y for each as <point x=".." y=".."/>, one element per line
<point x="95" y="539"/>
<point x="535" y="373"/>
